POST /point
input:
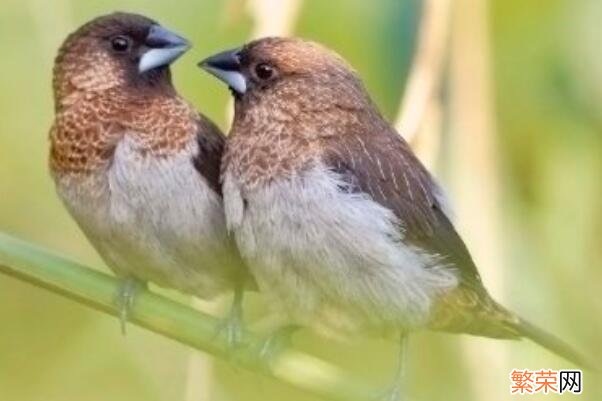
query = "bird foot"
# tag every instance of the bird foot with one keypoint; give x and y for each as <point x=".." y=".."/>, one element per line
<point x="126" y="298"/>
<point x="232" y="330"/>
<point x="278" y="341"/>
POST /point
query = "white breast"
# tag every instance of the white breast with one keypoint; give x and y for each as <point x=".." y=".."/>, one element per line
<point x="154" y="218"/>
<point x="332" y="259"/>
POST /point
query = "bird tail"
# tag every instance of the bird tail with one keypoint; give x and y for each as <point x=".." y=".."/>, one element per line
<point x="473" y="312"/>
<point x="550" y="342"/>
<point x="488" y="318"/>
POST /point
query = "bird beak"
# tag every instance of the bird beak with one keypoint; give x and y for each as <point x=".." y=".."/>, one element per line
<point x="226" y="67"/>
<point x="164" y="48"/>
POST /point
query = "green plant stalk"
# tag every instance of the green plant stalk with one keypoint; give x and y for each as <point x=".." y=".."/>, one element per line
<point x="179" y="322"/>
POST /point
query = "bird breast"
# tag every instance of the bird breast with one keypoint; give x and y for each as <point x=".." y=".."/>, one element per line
<point x="330" y="258"/>
<point x="154" y="218"/>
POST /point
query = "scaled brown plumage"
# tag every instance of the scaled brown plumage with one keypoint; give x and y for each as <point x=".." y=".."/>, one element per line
<point x="99" y="97"/>
<point x="85" y="135"/>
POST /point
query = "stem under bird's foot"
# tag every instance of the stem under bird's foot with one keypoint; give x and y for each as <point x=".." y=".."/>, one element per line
<point x="125" y="299"/>
<point x="277" y="342"/>
<point x="232" y="327"/>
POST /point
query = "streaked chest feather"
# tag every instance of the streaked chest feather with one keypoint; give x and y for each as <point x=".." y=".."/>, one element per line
<point x="331" y="258"/>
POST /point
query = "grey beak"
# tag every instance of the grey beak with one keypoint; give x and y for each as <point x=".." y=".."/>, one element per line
<point x="226" y="67"/>
<point x="164" y="48"/>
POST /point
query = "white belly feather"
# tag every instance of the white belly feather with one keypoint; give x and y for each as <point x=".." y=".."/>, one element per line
<point x="331" y="259"/>
<point x="155" y="219"/>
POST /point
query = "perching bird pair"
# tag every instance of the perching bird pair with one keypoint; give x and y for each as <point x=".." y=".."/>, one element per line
<point x="333" y="218"/>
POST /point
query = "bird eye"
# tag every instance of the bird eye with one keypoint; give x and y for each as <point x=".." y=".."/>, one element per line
<point x="120" y="43"/>
<point x="264" y="71"/>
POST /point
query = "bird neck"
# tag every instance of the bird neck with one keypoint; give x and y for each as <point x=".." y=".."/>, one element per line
<point x="86" y="133"/>
<point x="71" y="88"/>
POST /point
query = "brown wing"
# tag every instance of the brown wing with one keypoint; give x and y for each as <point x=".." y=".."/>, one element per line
<point x="211" y="142"/>
<point x="383" y="166"/>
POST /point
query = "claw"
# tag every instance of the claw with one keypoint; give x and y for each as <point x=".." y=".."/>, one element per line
<point x="232" y="327"/>
<point x="277" y="342"/>
<point x="126" y="298"/>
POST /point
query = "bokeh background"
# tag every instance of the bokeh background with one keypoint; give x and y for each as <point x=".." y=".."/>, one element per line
<point x="513" y="129"/>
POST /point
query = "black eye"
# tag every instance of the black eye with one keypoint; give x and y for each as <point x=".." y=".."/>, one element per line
<point x="264" y="71"/>
<point x="120" y="43"/>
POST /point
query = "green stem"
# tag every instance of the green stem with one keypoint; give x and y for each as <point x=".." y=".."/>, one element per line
<point x="179" y="322"/>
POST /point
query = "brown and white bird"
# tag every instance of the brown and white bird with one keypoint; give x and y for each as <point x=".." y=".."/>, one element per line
<point x="342" y="227"/>
<point x="136" y="166"/>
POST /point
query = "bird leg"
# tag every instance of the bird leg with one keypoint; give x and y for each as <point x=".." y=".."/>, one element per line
<point x="232" y="327"/>
<point x="126" y="297"/>
<point x="278" y="341"/>
<point x="396" y="391"/>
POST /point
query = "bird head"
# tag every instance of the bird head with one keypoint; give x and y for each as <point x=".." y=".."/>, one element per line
<point x="287" y="75"/>
<point x="118" y="49"/>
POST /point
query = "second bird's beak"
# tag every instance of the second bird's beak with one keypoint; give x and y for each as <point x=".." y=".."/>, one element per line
<point x="164" y="47"/>
<point x="226" y="67"/>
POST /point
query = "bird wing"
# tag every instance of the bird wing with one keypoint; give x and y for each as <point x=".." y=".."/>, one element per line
<point x="211" y="143"/>
<point x="383" y="166"/>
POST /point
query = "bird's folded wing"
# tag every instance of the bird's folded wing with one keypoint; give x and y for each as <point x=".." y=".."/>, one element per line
<point x="382" y="166"/>
<point x="211" y="143"/>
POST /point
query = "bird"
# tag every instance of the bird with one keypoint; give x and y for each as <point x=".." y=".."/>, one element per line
<point x="344" y="230"/>
<point x="137" y="166"/>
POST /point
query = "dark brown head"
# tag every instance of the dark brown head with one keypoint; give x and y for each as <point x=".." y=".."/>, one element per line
<point x="288" y="75"/>
<point x="119" y="49"/>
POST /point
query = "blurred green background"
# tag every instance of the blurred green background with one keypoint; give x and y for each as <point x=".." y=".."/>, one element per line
<point x="546" y="71"/>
